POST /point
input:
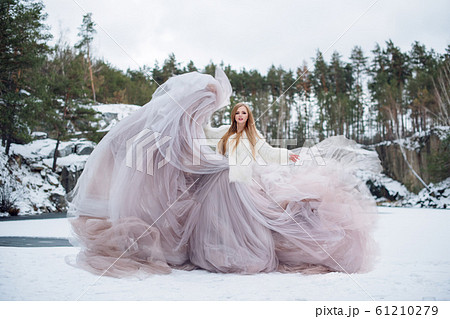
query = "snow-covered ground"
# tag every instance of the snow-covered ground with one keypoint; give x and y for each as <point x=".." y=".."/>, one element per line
<point x="414" y="264"/>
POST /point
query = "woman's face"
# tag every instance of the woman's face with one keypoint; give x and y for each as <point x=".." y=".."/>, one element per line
<point x="241" y="115"/>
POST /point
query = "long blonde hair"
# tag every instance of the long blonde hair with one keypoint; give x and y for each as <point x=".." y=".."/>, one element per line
<point x="250" y="130"/>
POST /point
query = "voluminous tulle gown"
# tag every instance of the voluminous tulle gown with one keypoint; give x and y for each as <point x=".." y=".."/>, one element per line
<point x="150" y="200"/>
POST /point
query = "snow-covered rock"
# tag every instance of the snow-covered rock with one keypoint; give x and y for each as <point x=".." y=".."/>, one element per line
<point x="415" y="153"/>
<point x="52" y="180"/>
<point x="111" y="114"/>
<point x="38" y="135"/>
<point x="386" y="188"/>
<point x="33" y="184"/>
<point x="389" y="192"/>
<point x="84" y="148"/>
<point x="432" y="196"/>
<point x="117" y="111"/>
<point x="34" y="187"/>
<point x="65" y="148"/>
<point x="28" y="189"/>
<point x="417" y="140"/>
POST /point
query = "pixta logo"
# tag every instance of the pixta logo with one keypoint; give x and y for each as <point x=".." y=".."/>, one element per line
<point x="148" y="142"/>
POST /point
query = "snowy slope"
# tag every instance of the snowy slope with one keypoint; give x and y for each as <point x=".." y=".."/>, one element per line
<point x="30" y="183"/>
<point x="414" y="264"/>
<point x="33" y="185"/>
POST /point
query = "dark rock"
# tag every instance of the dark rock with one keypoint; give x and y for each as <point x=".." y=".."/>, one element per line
<point x="60" y="202"/>
<point x="66" y="150"/>
<point x="69" y="177"/>
<point x="108" y="116"/>
<point x="84" y="149"/>
<point x="380" y="191"/>
<point x="37" y="167"/>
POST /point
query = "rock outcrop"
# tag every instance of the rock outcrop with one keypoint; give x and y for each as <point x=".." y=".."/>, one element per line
<point x="419" y="150"/>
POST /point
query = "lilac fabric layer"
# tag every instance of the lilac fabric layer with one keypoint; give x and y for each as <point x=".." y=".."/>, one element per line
<point x="152" y="198"/>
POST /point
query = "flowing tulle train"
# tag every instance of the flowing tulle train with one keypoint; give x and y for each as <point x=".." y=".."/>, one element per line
<point x="150" y="199"/>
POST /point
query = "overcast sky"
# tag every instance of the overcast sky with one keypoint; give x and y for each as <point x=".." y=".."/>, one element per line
<point x="250" y="34"/>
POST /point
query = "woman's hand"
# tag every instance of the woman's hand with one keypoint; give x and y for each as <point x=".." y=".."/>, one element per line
<point x="294" y="157"/>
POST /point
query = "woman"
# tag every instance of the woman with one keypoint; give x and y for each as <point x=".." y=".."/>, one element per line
<point x="153" y="197"/>
<point x="247" y="145"/>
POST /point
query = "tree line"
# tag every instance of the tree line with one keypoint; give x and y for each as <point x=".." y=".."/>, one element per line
<point x="384" y="96"/>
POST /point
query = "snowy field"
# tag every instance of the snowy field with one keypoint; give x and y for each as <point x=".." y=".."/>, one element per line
<point x="414" y="265"/>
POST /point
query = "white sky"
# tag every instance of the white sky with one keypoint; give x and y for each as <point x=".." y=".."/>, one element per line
<point x="250" y="34"/>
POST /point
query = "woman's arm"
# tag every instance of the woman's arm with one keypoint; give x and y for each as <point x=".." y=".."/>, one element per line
<point x="215" y="132"/>
<point x="275" y="155"/>
<point x="272" y="154"/>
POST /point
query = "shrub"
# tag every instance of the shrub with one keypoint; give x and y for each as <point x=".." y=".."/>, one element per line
<point x="7" y="198"/>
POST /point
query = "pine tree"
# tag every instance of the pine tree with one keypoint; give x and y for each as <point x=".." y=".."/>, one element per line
<point x="190" y="67"/>
<point x="303" y="86"/>
<point x="320" y="85"/>
<point x="275" y="108"/>
<point x="398" y="71"/>
<point x="359" y="66"/>
<point x="210" y="69"/>
<point x="442" y="90"/>
<point x="86" y="34"/>
<point x="140" y="87"/>
<point x="64" y="80"/>
<point x="170" y="67"/>
<point x="157" y="74"/>
<point x="338" y="106"/>
<point x="420" y="86"/>
<point x="23" y="45"/>
<point x="378" y="87"/>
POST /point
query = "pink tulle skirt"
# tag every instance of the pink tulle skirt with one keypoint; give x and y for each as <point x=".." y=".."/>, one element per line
<point x="135" y="213"/>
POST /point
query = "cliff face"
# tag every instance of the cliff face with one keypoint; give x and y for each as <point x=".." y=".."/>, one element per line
<point x="420" y="152"/>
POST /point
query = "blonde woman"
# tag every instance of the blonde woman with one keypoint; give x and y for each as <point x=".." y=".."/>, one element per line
<point x="244" y="211"/>
<point x="244" y="145"/>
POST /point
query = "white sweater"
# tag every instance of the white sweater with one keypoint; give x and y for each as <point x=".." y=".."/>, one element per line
<point x="241" y="160"/>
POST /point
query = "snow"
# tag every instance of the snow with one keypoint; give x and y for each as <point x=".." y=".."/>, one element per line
<point x="394" y="188"/>
<point x="78" y="160"/>
<point x="30" y="189"/>
<point x="122" y="110"/>
<point x="36" y="149"/>
<point x="414" y="142"/>
<point x="414" y="264"/>
<point x="32" y="180"/>
<point x="437" y="196"/>
<point x="111" y="114"/>
<point x="51" y="227"/>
